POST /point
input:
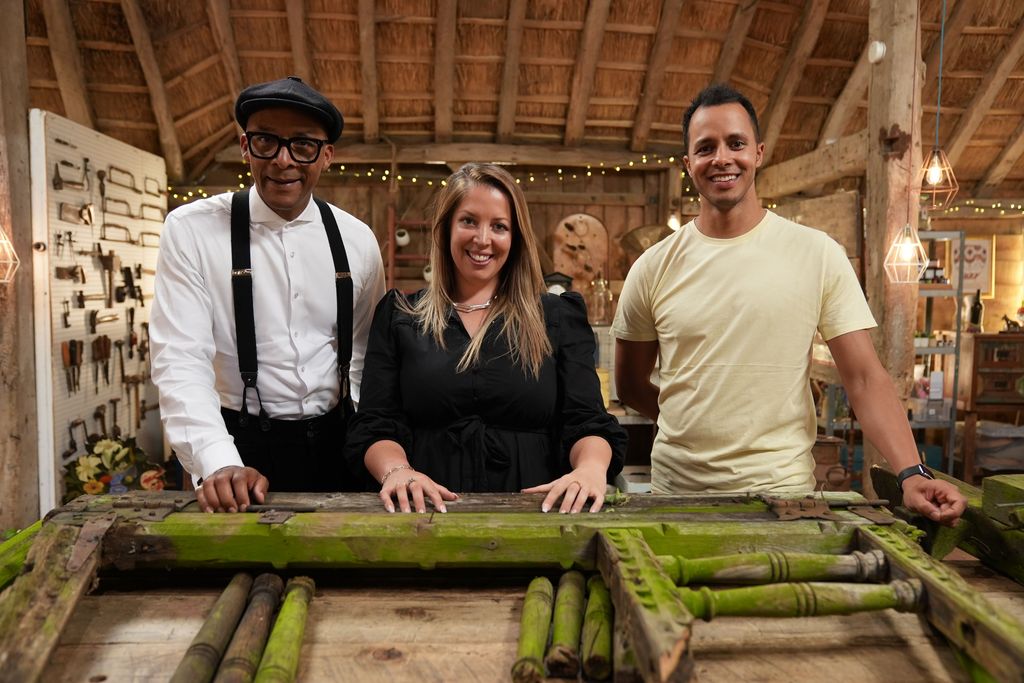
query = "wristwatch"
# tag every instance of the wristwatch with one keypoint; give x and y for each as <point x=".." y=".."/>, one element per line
<point x="912" y="471"/>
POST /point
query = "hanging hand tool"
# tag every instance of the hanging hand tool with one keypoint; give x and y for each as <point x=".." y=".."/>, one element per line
<point x="59" y="183"/>
<point x="116" y="176"/>
<point x="119" y="345"/>
<point x="133" y="339"/>
<point x="125" y="236"/>
<point x="111" y="263"/>
<point x="77" y="356"/>
<point x="65" y="316"/>
<point x="81" y="297"/>
<point x="144" y="342"/>
<point x="82" y="215"/>
<point x="97" y="353"/>
<point x="151" y="209"/>
<point x="149" y="243"/>
<point x="75" y="273"/>
<point x="72" y="444"/>
<point x="102" y="344"/>
<point x="148" y="183"/>
<point x="144" y="408"/>
<point x="96" y="319"/>
<point x="65" y="355"/>
<point x="96" y="252"/>
<point x="115" y="430"/>
<point x="100" y="415"/>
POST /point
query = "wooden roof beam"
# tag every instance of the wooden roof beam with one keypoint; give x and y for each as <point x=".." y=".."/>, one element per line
<point x="733" y="43"/>
<point x="368" y="69"/>
<point x="956" y="22"/>
<point x="510" y="70"/>
<point x="848" y="156"/>
<point x="67" y="62"/>
<point x="157" y="92"/>
<point x="444" y="68"/>
<point x="217" y="12"/>
<point x="660" y="52"/>
<point x="847" y="102"/>
<point x="791" y="73"/>
<point x="533" y="154"/>
<point x="985" y="95"/>
<point x="586" y="67"/>
<point x="297" y="34"/>
<point x="996" y="173"/>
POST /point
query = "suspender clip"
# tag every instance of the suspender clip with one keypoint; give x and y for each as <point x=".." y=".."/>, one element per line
<point x="343" y="275"/>
<point x="241" y="272"/>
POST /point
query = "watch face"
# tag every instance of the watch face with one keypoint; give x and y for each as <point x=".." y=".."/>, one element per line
<point x="556" y="289"/>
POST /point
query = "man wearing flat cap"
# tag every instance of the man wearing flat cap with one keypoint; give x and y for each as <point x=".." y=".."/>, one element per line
<point x="263" y="305"/>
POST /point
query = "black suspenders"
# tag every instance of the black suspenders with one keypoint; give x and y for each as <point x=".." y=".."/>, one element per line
<point x="245" y="323"/>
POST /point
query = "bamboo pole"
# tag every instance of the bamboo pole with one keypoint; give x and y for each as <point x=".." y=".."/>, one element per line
<point x="563" y="656"/>
<point x="246" y="648"/>
<point x="803" y="599"/>
<point x="775" y="567"/>
<point x="203" y="655"/>
<point x="533" y="632"/>
<point x="280" y="660"/>
<point x="596" y="646"/>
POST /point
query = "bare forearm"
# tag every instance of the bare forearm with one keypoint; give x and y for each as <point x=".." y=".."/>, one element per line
<point x="641" y="396"/>
<point x="883" y="419"/>
<point x="383" y="457"/>
<point x="591" y="451"/>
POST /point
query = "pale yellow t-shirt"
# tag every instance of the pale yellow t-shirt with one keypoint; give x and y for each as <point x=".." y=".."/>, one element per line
<point x="734" y="320"/>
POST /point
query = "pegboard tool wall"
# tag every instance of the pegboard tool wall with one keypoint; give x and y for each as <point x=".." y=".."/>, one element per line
<point x="98" y="206"/>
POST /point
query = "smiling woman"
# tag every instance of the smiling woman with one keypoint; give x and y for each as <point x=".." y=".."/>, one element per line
<point x="481" y="382"/>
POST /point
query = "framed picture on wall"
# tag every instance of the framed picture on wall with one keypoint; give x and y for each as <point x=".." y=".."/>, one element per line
<point x="979" y="255"/>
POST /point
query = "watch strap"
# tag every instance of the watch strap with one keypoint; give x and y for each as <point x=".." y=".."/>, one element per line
<point x="912" y="471"/>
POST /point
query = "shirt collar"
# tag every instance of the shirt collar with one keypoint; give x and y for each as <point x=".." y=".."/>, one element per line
<point x="262" y="214"/>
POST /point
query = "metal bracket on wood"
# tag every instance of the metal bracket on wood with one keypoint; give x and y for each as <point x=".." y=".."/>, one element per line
<point x="89" y="539"/>
<point x="275" y="516"/>
<point x="872" y="514"/>
<point x="800" y="508"/>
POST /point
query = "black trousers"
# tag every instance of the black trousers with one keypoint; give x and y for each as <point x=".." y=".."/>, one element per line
<point x="296" y="455"/>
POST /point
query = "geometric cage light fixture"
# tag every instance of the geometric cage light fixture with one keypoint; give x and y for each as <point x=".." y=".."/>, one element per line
<point x="8" y="259"/>
<point x="938" y="184"/>
<point x="906" y="259"/>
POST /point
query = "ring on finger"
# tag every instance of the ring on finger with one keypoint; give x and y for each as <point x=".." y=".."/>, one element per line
<point x="410" y="481"/>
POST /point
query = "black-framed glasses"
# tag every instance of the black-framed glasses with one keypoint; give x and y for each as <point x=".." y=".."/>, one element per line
<point x="268" y="145"/>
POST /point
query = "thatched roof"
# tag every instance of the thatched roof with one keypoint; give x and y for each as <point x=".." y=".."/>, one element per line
<point x="598" y="75"/>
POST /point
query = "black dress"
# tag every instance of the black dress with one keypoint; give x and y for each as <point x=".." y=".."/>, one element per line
<point x="489" y="428"/>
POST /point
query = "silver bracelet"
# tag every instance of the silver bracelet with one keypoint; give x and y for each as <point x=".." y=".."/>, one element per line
<point x="392" y="471"/>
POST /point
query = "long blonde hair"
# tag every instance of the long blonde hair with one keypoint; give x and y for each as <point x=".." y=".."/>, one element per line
<point x="520" y="283"/>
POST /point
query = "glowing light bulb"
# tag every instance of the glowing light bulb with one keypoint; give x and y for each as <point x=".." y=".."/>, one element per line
<point x="673" y="222"/>
<point x="934" y="173"/>
<point x="908" y="250"/>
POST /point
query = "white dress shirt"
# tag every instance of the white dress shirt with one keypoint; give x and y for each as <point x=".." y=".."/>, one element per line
<point x="192" y="323"/>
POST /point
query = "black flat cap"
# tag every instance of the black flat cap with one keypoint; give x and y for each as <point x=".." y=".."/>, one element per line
<point x="289" y="92"/>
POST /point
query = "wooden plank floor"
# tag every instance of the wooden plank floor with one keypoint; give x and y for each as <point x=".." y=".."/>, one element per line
<point x="451" y="634"/>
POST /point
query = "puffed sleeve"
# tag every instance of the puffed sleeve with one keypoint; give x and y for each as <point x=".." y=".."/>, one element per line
<point x="582" y="407"/>
<point x="380" y="415"/>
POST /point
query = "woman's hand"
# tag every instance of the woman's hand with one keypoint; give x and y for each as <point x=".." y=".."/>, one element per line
<point x="575" y="489"/>
<point x="407" y="483"/>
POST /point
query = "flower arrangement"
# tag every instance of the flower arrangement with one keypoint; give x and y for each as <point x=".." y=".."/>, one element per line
<point x="111" y="466"/>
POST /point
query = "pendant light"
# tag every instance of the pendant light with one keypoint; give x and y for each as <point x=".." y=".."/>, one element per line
<point x="938" y="184"/>
<point x="906" y="260"/>
<point x="8" y="259"/>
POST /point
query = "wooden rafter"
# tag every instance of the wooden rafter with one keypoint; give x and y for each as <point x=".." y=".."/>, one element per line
<point x="510" y="70"/>
<point x="733" y="43"/>
<point x="846" y="157"/>
<point x="67" y="62"/>
<point x="217" y="11"/>
<point x="157" y="92"/>
<point x="986" y="94"/>
<point x="791" y="73"/>
<point x="297" y="34"/>
<point x="956" y="22"/>
<point x="996" y="173"/>
<point x="203" y="163"/>
<point x="847" y="102"/>
<point x="533" y="154"/>
<point x="214" y="137"/>
<point x="444" y="68"/>
<point x="368" y="69"/>
<point x="655" y="72"/>
<point x="586" y="68"/>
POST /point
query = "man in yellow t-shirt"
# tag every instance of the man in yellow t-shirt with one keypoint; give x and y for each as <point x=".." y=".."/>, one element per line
<point x="729" y="305"/>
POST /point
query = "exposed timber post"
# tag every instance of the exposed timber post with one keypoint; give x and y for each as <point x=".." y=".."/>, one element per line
<point x="894" y="159"/>
<point x="19" y="469"/>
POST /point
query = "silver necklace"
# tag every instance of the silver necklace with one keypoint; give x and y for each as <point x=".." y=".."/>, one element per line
<point x="470" y="308"/>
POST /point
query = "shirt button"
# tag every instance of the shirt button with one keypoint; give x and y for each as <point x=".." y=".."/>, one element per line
<point x="302" y="369"/>
<point x="295" y="334"/>
<point x="291" y="254"/>
<point x="295" y="296"/>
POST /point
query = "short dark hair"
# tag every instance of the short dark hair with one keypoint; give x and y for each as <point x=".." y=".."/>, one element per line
<point x="711" y="96"/>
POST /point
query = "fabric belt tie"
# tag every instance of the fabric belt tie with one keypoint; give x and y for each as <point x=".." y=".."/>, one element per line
<point x="479" y="450"/>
